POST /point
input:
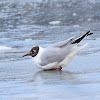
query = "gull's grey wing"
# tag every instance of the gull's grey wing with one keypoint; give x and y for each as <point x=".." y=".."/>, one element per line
<point x="58" y="51"/>
<point x="55" y="54"/>
<point x="63" y="43"/>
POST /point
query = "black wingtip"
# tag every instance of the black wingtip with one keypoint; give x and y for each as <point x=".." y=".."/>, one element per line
<point x="88" y="33"/>
<point x="81" y="38"/>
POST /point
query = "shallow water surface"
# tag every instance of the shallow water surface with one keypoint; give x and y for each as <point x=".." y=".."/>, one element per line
<point x="24" y="24"/>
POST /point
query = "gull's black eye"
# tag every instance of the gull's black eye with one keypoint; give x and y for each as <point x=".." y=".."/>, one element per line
<point x="33" y="51"/>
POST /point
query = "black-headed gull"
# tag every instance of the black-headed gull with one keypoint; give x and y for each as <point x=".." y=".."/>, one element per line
<point x="57" y="55"/>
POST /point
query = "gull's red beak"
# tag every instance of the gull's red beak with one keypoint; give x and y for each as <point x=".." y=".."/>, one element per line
<point x="28" y="54"/>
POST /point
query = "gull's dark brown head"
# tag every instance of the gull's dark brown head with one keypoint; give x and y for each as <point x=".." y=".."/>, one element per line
<point x="33" y="52"/>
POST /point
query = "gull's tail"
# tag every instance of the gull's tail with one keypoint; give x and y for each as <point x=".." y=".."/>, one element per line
<point x="81" y="38"/>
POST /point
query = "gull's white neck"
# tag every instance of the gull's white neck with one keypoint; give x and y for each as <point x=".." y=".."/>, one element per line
<point x="37" y="58"/>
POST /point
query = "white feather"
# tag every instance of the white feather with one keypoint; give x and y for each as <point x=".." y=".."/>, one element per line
<point x="37" y="59"/>
<point x="71" y="55"/>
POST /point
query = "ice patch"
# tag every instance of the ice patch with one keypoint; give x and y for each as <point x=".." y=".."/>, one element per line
<point x="28" y="40"/>
<point x="74" y="14"/>
<point x="76" y="26"/>
<point x="54" y="22"/>
<point x="89" y="19"/>
<point x="4" y="48"/>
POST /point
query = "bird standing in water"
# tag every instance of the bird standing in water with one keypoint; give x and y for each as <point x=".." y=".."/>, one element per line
<point x="58" y="55"/>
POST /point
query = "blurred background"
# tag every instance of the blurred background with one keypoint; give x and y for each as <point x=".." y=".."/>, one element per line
<point x="27" y="23"/>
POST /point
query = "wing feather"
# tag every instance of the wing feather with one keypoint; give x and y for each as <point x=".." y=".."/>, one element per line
<point x="63" y="43"/>
<point x="55" y="54"/>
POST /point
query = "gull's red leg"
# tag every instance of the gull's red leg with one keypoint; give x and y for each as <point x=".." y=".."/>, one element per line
<point x="60" y="68"/>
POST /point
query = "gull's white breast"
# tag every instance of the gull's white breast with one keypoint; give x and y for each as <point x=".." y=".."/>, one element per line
<point x="37" y="58"/>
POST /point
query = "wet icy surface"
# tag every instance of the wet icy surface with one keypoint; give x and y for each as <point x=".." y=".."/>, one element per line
<point x="24" y="24"/>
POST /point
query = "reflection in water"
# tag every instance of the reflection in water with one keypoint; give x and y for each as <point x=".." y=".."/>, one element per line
<point x="49" y="84"/>
<point x="55" y="77"/>
<point x="63" y="84"/>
